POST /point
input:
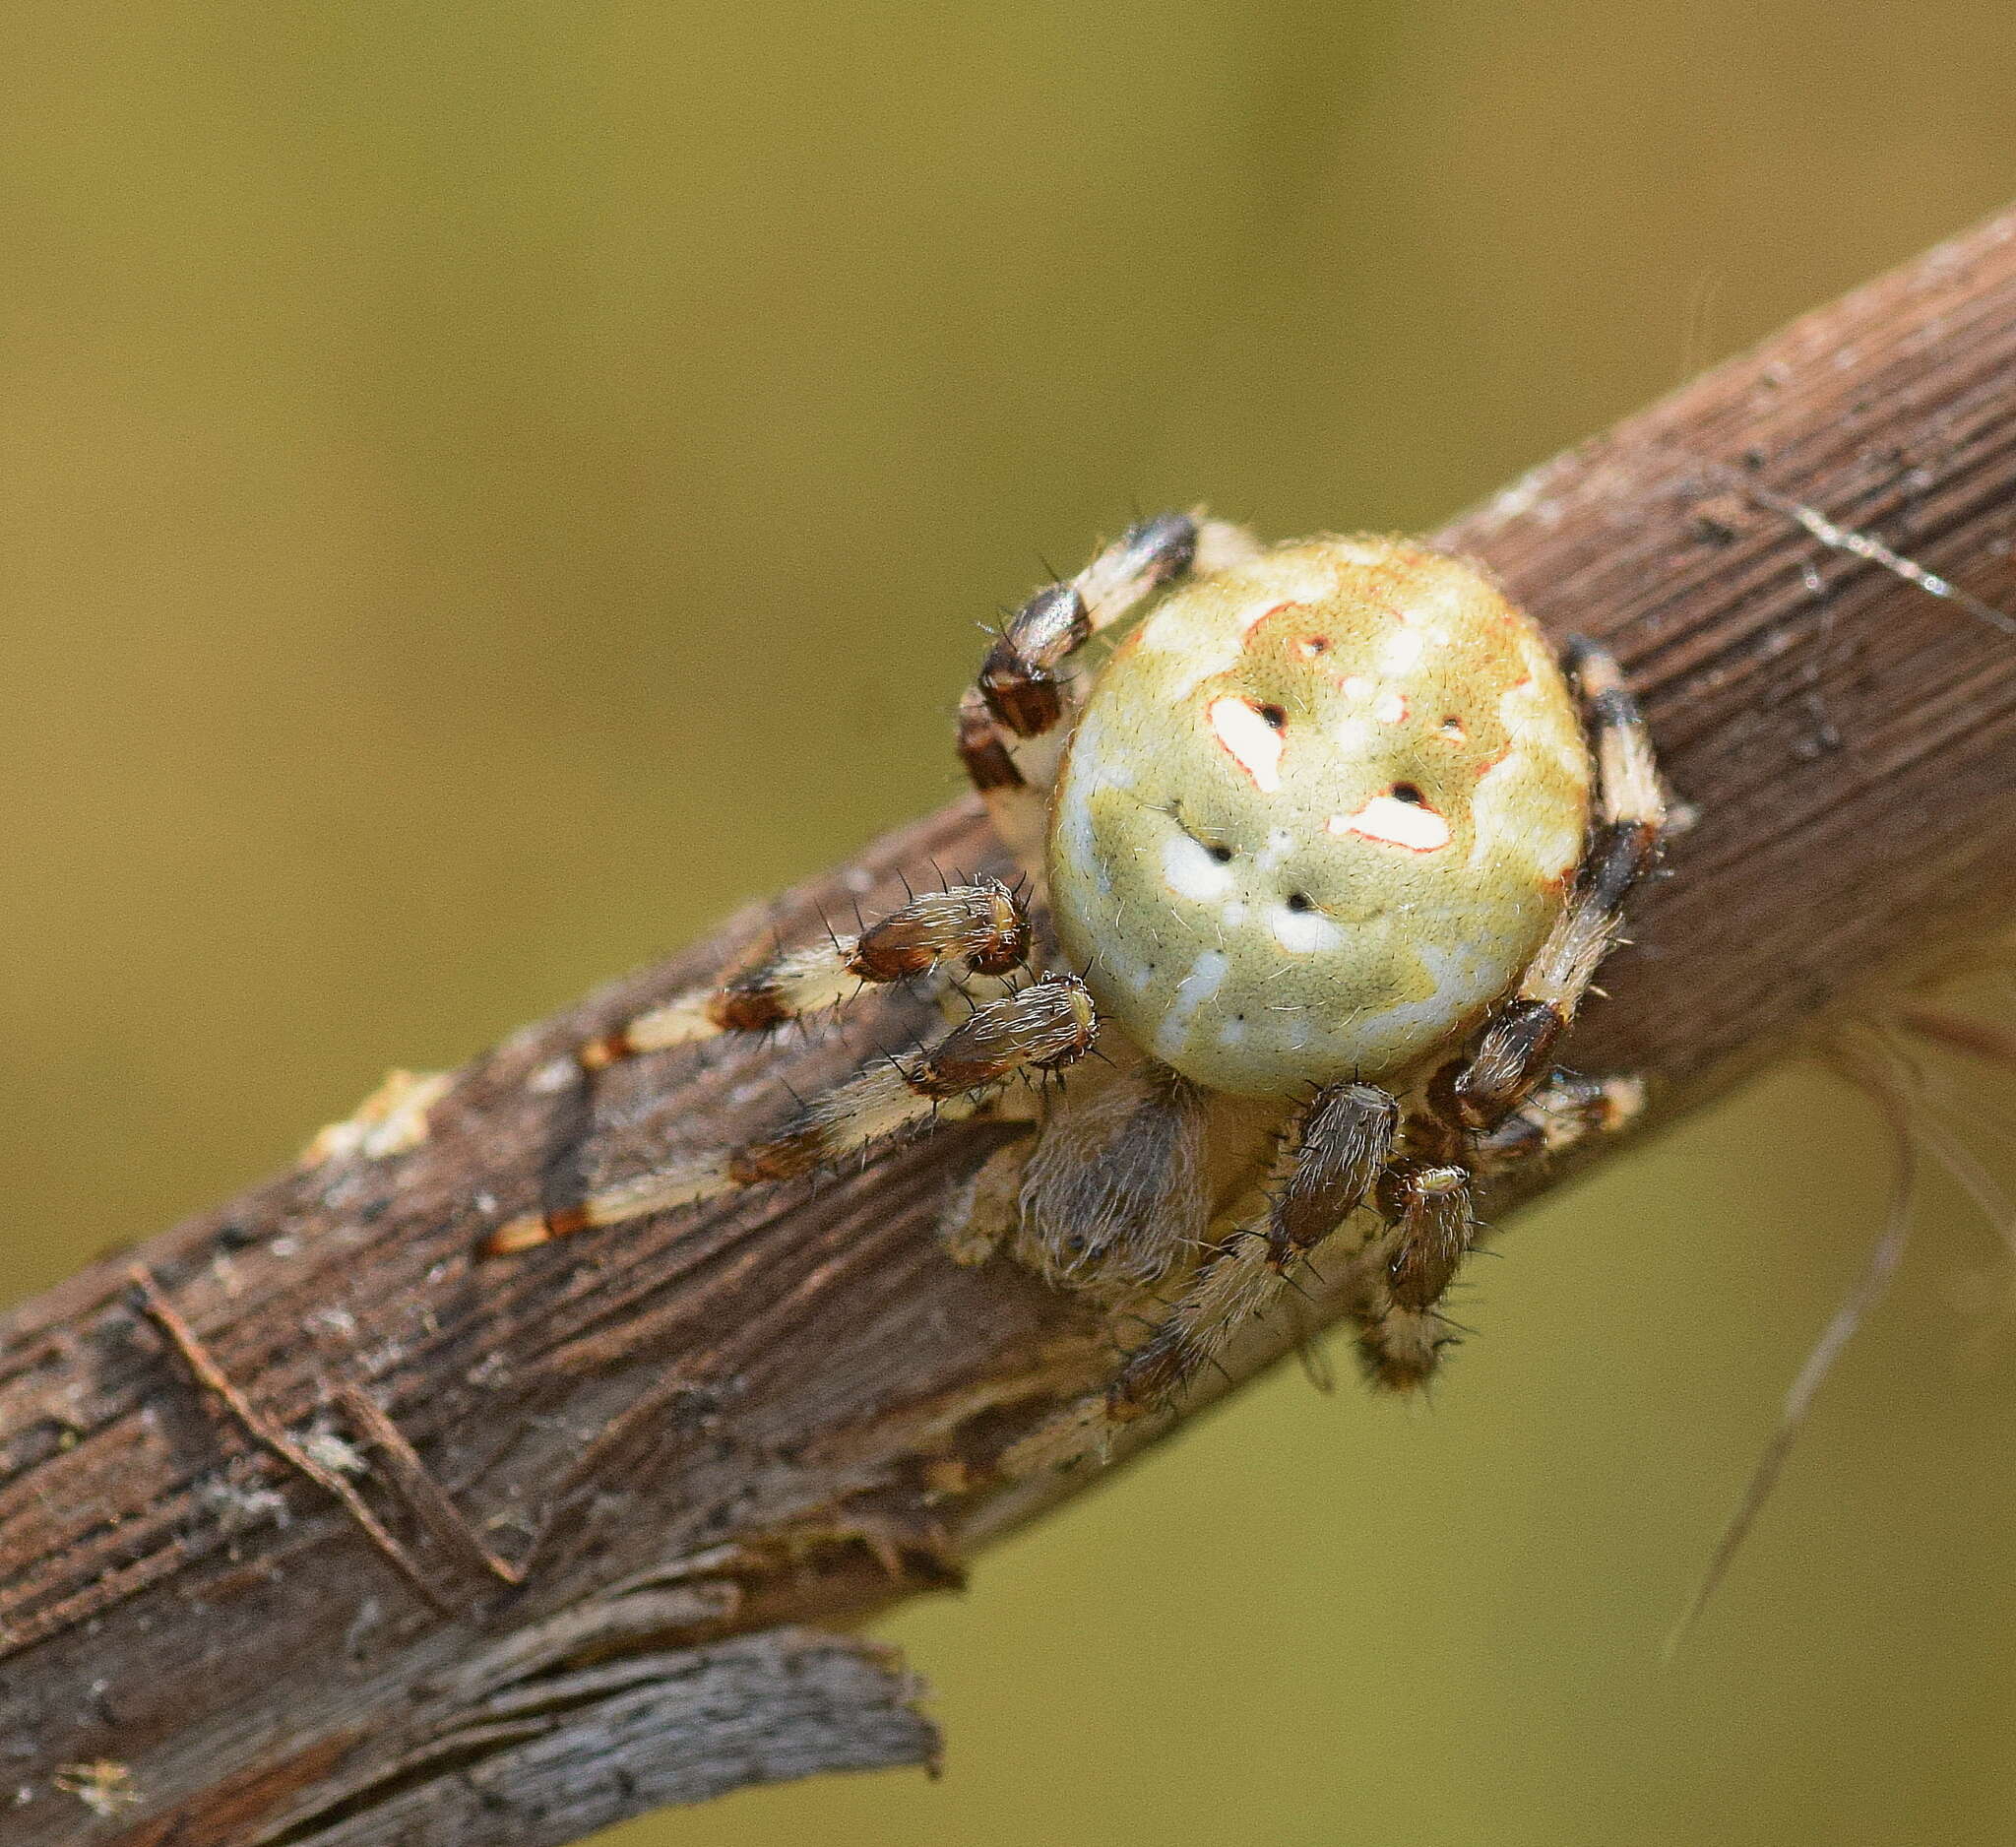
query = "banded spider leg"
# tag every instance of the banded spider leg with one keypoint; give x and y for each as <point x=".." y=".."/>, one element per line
<point x="1044" y="1027"/>
<point x="1015" y="718"/>
<point x="967" y="931"/>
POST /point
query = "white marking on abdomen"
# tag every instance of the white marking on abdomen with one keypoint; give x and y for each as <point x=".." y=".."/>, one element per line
<point x="1189" y="870"/>
<point x="1464" y="980"/>
<point x="1409" y="825"/>
<point x="1401" y="651"/>
<point x="1254" y="743"/>
<point x="1206" y="974"/>
<point x="1280" y="843"/>
<point x="1303" y="933"/>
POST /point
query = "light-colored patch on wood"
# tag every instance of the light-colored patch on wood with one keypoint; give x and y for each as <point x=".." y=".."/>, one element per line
<point x="103" y="1785"/>
<point x="390" y="1120"/>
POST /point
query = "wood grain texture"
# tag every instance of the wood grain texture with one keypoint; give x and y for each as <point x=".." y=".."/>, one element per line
<point x="688" y="1438"/>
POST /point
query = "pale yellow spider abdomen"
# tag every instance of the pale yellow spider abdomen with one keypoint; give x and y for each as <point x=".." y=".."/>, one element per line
<point x="1320" y="811"/>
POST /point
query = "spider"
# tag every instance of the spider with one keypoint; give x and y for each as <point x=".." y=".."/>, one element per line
<point x="1320" y="853"/>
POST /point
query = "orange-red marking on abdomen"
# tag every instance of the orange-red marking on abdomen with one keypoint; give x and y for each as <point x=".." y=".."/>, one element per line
<point x="1252" y="620"/>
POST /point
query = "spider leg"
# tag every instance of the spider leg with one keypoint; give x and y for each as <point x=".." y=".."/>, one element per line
<point x="1431" y="1215"/>
<point x="1330" y="1159"/>
<point x="1115" y="1192"/>
<point x="1431" y="1225"/>
<point x="1325" y="1165"/>
<point x="1517" y="1049"/>
<point x="1021" y="678"/>
<point x="1013" y="719"/>
<point x="982" y="1214"/>
<point x="970" y="929"/>
<point x="1491" y="1109"/>
<point x="1565" y="1110"/>
<point x="1042" y="1027"/>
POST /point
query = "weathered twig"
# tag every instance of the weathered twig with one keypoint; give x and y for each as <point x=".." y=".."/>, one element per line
<point x="627" y="1469"/>
<point x="271" y="1437"/>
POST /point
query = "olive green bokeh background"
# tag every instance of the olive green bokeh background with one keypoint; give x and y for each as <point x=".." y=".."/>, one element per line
<point x="486" y="489"/>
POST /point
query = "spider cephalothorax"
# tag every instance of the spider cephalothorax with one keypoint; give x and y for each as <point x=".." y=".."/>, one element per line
<point x="1322" y="854"/>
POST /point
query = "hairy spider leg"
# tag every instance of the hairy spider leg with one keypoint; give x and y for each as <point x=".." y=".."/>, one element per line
<point x="1011" y="719"/>
<point x="1041" y="1028"/>
<point x="1517" y="1049"/>
<point x="1430" y="1226"/>
<point x="1565" y="1110"/>
<point x="1474" y="1106"/>
<point x="1326" y="1164"/>
<point x="1431" y="1211"/>
<point x="967" y="931"/>
<point x="1116" y="1186"/>
<point x="1331" y="1158"/>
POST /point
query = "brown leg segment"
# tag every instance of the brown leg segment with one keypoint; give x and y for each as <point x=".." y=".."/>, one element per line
<point x="1328" y="1159"/>
<point x="1401" y="1335"/>
<point x="1044" y="1027"/>
<point x="1335" y="1152"/>
<point x="1010" y="720"/>
<point x="970" y="929"/>
<point x="1020" y="679"/>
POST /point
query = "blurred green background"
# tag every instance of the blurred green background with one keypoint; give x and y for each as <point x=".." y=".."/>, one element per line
<point x="486" y="489"/>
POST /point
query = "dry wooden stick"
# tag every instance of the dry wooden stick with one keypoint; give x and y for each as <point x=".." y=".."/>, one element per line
<point x="420" y="1491"/>
<point x="269" y="1435"/>
<point x="690" y="1438"/>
